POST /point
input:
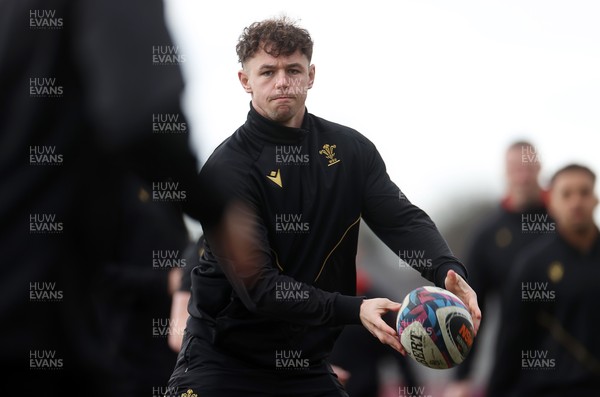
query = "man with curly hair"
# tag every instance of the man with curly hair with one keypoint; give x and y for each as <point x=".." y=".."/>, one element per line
<point x="277" y="281"/>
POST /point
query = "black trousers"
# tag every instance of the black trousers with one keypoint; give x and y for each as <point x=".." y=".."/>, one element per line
<point x="206" y="371"/>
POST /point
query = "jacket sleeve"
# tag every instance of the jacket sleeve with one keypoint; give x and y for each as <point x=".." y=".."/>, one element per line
<point x="403" y="227"/>
<point x="238" y="240"/>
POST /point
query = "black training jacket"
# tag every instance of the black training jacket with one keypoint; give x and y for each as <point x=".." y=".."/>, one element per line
<point x="309" y="188"/>
<point x="548" y="340"/>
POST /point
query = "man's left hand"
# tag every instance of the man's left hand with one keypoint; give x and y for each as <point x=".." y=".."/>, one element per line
<point x="459" y="287"/>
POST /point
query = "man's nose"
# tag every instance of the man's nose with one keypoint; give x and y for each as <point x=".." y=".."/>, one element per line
<point x="282" y="80"/>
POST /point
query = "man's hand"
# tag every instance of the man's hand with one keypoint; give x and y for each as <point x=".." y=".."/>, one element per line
<point x="178" y="319"/>
<point x="371" y="311"/>
<point x="459" y="287"/>
<point x="341" y="373"/>
<point x="174" y="280"/>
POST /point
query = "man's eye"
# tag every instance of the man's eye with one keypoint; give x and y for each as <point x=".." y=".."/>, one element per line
<point x="294" y="71"/>
<point x="267" y="73"/>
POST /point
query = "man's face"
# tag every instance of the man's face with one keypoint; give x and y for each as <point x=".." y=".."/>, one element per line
<point x="572" y="201"/>
<point x="521" y="175"/>
<point x="278" y="85"/>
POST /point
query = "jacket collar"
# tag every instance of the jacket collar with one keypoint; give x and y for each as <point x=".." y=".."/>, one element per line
<point x="261" y="128"/>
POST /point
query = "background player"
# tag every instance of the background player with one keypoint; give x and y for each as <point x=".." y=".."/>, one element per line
<point x="548" y="342"/>
<point x="497" y="241"/>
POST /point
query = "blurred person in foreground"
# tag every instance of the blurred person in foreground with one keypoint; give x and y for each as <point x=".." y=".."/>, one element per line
<point x="277" y="281"/>
<point x="497" y="241"/>
<point x="79" y="92"/>
<point x="548" y="342"/>
<point x="133" y="291"/>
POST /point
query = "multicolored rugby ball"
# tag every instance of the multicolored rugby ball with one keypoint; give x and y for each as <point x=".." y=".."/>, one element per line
<point x="435" y="327"/>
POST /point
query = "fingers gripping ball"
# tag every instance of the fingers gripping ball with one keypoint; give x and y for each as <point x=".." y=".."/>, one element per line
<point x="435" y="327"/>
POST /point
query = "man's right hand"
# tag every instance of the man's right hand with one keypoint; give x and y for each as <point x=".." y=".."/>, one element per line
<point x="371" y="311"/>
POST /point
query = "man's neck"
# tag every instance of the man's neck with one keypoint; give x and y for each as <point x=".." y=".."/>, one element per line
<point x="581" y="240"/>
<point x="294" y="122"/>
<point x="518" y="202"/>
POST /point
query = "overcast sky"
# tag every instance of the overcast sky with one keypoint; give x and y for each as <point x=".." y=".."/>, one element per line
<point x="441" y="87"/>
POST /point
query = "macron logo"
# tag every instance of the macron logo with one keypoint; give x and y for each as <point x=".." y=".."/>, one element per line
<point x="275" y="177"/>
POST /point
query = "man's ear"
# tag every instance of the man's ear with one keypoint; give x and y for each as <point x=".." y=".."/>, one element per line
<point x="311" y="76"/>
<point x="245" y="80"/>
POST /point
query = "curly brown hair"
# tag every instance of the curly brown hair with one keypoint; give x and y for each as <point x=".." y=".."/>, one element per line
<point x="279" y="36"/>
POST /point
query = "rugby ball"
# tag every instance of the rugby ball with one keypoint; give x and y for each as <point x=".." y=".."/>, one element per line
<point x="435" y="327"/>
